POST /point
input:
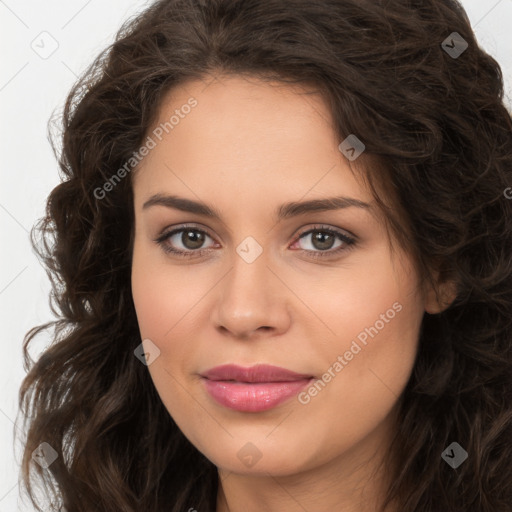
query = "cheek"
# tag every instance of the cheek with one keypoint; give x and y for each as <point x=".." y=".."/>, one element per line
<point x="164" y="306"/>
<point x="162" y="296"/>
<point x="362" y="381"/>
<point x="373" y="319"/>
<point x="371" y="299"/>
<point x="166" y="302"/>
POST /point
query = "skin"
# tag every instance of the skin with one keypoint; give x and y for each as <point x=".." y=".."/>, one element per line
<point x="246" y="148"/>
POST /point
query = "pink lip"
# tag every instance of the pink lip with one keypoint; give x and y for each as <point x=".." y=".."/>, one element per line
<point x="258" y="388"/>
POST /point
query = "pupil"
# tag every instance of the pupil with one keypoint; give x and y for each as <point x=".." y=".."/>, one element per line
<point x="319" y="238"/>
<point x="192" y="239"/>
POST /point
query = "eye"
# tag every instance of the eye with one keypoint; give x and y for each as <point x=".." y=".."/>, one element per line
<point x="193" y="239"/>
<point x="323" y="241"/>
<point x="190" y="237"/>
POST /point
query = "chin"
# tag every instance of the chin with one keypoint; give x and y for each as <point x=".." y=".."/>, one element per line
<point x="261" y="458"/>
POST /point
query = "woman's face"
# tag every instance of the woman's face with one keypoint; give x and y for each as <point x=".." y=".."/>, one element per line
<point x="268" y="283"/>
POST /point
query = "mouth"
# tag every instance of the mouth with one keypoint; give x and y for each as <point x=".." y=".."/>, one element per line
<point x="254" y="389"/>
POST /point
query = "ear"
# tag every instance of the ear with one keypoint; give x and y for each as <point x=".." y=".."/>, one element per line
<point x="438" y="300"/>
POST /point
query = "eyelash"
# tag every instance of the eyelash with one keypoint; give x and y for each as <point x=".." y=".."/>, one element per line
<point x="348" y="241"/>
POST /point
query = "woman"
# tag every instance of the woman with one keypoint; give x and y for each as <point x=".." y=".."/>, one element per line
<point x="281" y="258"/>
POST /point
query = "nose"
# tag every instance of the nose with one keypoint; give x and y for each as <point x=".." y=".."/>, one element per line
<point x="251" y="300"/>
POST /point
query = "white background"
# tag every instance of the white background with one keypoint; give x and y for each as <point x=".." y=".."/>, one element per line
<point x="31" y="88"/>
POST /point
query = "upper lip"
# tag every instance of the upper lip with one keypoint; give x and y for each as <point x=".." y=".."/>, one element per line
<point x="256" y="373"/>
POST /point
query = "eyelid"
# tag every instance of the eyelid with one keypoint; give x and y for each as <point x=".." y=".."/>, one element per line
<point x="328" y="228"/>
<point x="316" y="227"/>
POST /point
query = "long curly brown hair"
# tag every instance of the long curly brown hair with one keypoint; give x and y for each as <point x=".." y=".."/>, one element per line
<point x="436" y="122"/>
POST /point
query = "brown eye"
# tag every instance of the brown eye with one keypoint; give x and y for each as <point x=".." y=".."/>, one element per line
<point x="323" y="240"/>
<point x="185" y="241"/>
<point x="193" y="237"/>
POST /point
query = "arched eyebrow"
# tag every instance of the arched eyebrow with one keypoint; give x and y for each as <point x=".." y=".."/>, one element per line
<point x="285" y="211"/>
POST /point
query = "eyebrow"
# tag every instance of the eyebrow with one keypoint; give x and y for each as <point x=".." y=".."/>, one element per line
<point x="285" y="211"/>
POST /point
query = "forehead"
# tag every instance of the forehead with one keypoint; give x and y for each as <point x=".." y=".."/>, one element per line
<point x="246" y="134"/>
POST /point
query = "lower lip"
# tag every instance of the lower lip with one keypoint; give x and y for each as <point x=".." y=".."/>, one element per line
<point x="253" y="397"/>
